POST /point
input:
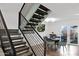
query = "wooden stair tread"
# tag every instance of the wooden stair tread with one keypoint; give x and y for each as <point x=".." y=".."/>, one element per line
<point x="19" y="49"/>
<point x="14" y="43"/>
<point x="26" y="54"/>
<point x="13" y="38"/>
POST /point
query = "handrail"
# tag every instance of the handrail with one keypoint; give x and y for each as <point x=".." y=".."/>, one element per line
<point x="33" y="29"/>
<point x="38" y="35"/>
<point x="19" y="15"/>
<point x="10" y="41"/>
<point x="22" y="7"/>
<point x="28" y="22"/>
<point x="27" y="41"/>
<point x="24" y="35"/>
<point x="19" y="20"/>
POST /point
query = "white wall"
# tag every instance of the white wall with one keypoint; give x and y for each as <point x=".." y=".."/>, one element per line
<point x="10" y="14"/>
<point x="56" y="26"/>
<point x="11" y="19"/>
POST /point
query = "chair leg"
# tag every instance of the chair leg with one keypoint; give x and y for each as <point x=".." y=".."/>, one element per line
<point x="63" y="49"/>
<point x="66" y="48"/>
<point x="47" y="46"/>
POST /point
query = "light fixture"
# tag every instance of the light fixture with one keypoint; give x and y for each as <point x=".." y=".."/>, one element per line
<point x="51" y="19"/>
<point x="76" y="14"/>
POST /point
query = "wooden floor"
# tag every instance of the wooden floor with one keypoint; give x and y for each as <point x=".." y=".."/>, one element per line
<point x="69" y="50"/>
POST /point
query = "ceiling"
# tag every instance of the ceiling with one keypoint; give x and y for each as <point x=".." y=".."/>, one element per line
<point x="64" y="11"/>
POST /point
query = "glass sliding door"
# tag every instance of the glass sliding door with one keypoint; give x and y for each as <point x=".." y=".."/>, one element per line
<point x="74" y="34"/>
<point x="70" y="34"/>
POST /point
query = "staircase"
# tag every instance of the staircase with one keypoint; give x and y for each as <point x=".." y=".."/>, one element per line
<point x="29" y="19"/>
<point x="19" y="45"/>
<point x="24" y="41"/>
<point x="12" y="41"/>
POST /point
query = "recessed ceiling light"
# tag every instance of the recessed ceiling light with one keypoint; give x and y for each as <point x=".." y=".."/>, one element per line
<point x="51" y="19"/>
<point x="76" y="14"/>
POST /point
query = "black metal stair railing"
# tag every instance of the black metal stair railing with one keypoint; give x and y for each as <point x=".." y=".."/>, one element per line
<point x="4" y="32"/>
<point x="30" y="15"/>
<point x="34" y="40"/>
